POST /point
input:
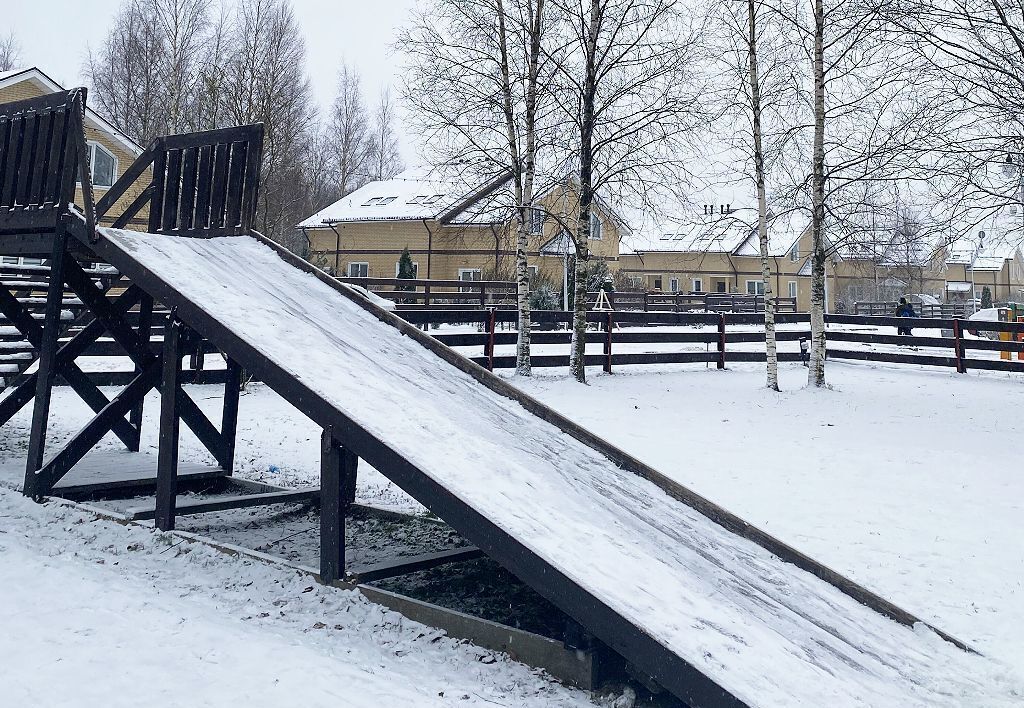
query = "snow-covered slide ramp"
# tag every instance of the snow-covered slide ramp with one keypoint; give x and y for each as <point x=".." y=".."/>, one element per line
<point x="686" y="595"/>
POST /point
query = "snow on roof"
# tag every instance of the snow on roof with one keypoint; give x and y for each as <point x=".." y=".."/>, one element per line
<point x="417" y="193"/>
<point x="735" y="233"/>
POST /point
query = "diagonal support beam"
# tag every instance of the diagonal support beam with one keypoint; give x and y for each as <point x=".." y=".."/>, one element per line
<point x="64" y="364"/>
<point x="77" y="447"/>
<point x="139" y="352"/>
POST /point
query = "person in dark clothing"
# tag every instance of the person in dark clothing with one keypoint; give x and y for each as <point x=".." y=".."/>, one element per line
<point x="904" y="309"/>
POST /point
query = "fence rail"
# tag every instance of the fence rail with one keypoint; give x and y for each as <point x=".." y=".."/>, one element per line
<point x="949" y="309"/>
<point x="951" y="349"/>
<point x="682" y="302"/>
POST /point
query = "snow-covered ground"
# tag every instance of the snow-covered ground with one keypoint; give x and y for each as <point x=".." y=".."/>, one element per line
<point x="910" y="481"/>
<point x="93" y="613"/>
<point x="907" y="480"/>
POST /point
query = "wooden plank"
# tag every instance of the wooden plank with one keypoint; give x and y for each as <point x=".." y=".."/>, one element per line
<point x="48" y="347"/>
<point x="332" y="508"/>
<point x="134" y="486"/>
<point x="156" y="205"/>
<point x="411" y="564"/>
<point x="170" y="428"/>
<point x="172" y="191"/>
<point x="187" y="200"/>
<point x="236" y="185"/>
<point x="219" y="189"/>
<point x="203" y="184"/>
<point x="225" y="503"/>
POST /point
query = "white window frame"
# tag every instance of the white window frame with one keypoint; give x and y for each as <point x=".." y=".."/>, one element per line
<point x="533" y="271"/>
<point x="595" y="227"/>
<point x="673" y="285"/>
<point x="463" y="271"/>
<point x="794" y="252"/>
<point x="415" y="269"/>
<point x="364" y="264"/>
<point x="758" y="285"/>
<point x="698" y="285"/>
<point x="794" y="289"/>
<point x="93" y="145"/>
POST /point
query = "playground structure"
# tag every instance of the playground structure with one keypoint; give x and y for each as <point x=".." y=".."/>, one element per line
<point x="699" y="602"/>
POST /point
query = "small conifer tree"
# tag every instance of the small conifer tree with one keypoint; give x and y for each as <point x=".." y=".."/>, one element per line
<point x="406" y="270"/>
<point x="986" y="298"/>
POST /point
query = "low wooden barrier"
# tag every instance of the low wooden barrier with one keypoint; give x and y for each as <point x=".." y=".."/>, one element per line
<point x="713" y="330"/>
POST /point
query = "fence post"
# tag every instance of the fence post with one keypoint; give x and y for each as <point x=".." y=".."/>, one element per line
<point x="483" y="295"/>
<point x="721" y="340"/>
<point x="645" y="302"/>
<point x="961" y="365"/>
<point x="489" y="349"/>
<point x="608" y="344"/>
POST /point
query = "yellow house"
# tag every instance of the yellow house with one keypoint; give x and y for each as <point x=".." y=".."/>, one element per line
<point x="454" y="229"/>
<point x="111" y="152"/>
<point x="721" y="254"/>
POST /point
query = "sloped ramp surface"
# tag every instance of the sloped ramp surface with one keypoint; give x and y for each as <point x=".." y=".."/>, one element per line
<point x="714" y="617"/>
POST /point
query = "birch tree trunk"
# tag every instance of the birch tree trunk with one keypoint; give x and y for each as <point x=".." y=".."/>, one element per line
<point x="587" y="120"/>
<point x="816" y="369"/>
<point x="771" y="346"/>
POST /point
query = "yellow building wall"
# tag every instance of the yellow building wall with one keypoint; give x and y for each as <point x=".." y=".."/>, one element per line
<point x="448" y="249"/>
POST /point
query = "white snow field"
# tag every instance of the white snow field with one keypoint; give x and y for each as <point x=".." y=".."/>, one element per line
<point x="769" y="633"/>
<point x="97" y="614"/>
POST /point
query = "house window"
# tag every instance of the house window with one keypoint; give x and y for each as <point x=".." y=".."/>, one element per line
<point x="358" y="270"/>
<point x="657" y="282"/>
<point x="533" y="271"/>
<point x="673" y="285"/>
<point x="698" y="285"/>
<point x="469" y="275"/>
<point x="535" y="225"/>
<point x="720" y="286"/>
<point x="794" y="252"/>
<point x="102" y="166"/>
<point x="793" y="289"/>
<point x="10" y="260"/>
<point x="755" y="287"/>
<point x="595" y="226"/>
<point x="415" y="268"/>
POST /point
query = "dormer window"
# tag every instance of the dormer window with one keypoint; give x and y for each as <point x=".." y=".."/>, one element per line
<point x="102" y="166"/>
<point x="432" y="198"/>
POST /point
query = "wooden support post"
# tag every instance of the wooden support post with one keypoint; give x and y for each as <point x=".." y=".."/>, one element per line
<point x="608" y="344"/>
<point x="145" y="328"/>
<point x="45" y="374"/>
<point x="721" y="340"/>
<point x="229" y="418"/>
<point x="489" y="347"/>
<point x="961" y="365"/>
<point x="170" y="423"/>
<point x="337" y="492"/>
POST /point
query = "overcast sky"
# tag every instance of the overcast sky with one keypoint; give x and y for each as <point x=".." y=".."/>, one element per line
<point x="55" y="36"/>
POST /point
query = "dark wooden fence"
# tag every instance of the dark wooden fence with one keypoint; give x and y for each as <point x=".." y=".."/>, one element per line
<point x="682" y="302"/>
<point x="951" y="349"/>
<point x="941" y="310"/>
<point x="440" y="294"/>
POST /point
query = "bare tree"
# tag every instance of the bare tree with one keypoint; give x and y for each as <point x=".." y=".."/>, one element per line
<point x="862" y="133"/>
<point x="349" y="132"/>
<point x="10" y="52"/>
<point x="972" y="53"/>
<point x="631" y="93"/>
<point x="384" y="156"/>
<point x="480" y="84"/>
<point x="266" y="82"/>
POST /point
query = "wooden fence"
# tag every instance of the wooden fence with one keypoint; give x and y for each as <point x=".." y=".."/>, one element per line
<point x="954" y="346"/>
<point x="884" y="309"/>
<point x="682" y="302"/>
<point x="440" y="294"/>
